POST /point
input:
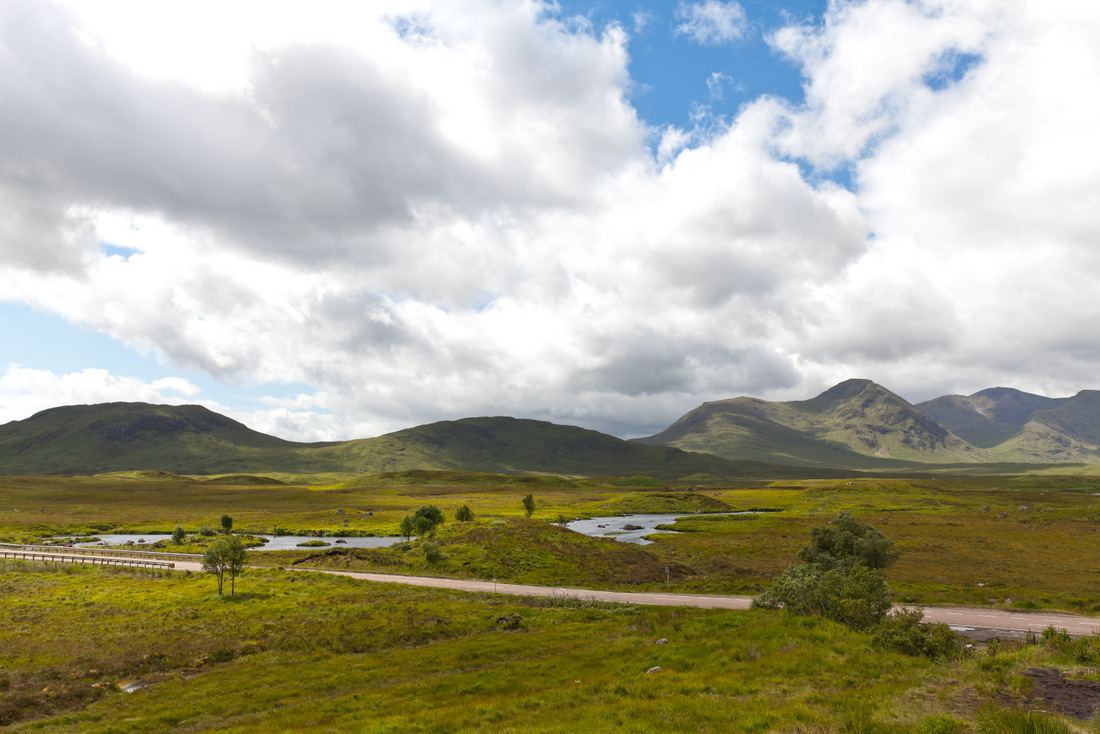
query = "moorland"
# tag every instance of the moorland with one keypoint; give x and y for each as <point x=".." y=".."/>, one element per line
<point x="109" y="649"/>
<point x="293" y="651"/>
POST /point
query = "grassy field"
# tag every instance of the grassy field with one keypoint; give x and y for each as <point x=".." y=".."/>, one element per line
<point x="302" y="652"/>
<point x="308" y="652"/>
<point x="1021" y="541"/>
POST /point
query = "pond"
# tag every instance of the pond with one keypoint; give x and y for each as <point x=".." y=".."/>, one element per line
<point x="275" y="542"/>
<point x="616" y="526"/>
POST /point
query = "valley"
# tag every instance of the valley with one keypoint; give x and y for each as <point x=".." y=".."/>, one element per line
<point x="981" y="534"/>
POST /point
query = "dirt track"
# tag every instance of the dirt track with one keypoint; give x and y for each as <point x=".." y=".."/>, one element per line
<point x="992" y="621"/>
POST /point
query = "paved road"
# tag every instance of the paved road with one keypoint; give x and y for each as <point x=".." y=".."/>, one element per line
<point x="992" y="620"/>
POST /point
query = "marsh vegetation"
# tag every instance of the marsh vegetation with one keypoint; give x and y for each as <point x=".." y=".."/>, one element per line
<point x="299" y="651"/>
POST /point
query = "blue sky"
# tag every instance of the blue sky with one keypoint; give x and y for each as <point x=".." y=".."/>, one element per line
<point x="352" y="218"/>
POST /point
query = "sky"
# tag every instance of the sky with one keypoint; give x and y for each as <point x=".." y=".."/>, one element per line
<point x="338" y="219"/>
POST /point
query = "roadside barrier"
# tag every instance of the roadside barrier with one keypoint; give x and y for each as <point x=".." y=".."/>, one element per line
<point x="54" y="557"/>
<point x="109" y="552"/>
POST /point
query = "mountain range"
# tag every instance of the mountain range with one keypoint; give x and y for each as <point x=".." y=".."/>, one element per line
<point x="190" y="439"/>
<point x="854" y="426"/>
<point x="861" y="425"/>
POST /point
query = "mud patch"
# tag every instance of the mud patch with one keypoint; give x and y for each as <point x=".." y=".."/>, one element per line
<point x="1068" y="696"/>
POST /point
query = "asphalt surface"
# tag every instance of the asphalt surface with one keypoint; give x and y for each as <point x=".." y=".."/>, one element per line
<point x="979" y="623"/>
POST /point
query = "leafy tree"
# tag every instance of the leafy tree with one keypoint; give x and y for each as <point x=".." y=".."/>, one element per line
<point x="178" y="536"/>
<point x="464" y="514"/>
<point x="529" y="505"/>
<point x="845" y="542"/>
<point x="842" y="578"/>
<point x="408" y="527"/>
<point x="421" y="522"/>
<point x="227" y="524"/>
<point x="426" y="518"/>
<point x="224" y="556"/>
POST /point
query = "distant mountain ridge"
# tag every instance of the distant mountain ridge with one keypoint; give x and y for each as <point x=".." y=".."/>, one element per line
<point x="190" y="439"/>
<point x="856" y="425"/>
<point x="861" y="425"/>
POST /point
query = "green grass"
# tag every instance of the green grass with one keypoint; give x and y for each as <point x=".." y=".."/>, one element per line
<point x="948" y="529"/>
<point x="302" y="652"/>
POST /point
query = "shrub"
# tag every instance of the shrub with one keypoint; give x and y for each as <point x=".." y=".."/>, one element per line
<point x="529" y="504"/>
<point x="858" y="597"/>
<point x="904" y="632"/>
<point x="178" y="536"/>
<point x="431" y="551"/>
<point x="207" y="532"/>
<point x="227" y="524"/>
<point x="846" y="542"/>
<point x="464" y="514"/>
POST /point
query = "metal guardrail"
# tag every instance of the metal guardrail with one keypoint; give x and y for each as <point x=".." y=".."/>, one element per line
<point x="118" y="552"/>
<point x="55" y="557"/>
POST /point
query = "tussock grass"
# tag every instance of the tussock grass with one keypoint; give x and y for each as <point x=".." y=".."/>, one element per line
<point x="300" y="652"/>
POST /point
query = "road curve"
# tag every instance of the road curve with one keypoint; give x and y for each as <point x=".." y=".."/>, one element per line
<point x="993" y="620"/>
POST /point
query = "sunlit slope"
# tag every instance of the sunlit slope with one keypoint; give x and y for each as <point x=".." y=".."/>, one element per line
<point x="186" y="439"/>
<point x="507" y="445"/>
<point x="1019" y="426"/>
<point x="113" y="437"/>
<point x="856" y="424"/>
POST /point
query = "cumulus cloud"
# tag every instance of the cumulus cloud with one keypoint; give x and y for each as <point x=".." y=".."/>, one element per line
<point x="461" y="214"/>
<point x="25" y="391"/>
<point x="712" y="23"/>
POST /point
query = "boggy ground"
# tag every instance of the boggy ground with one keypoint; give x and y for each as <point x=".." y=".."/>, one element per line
<point x="308" y="652"/>
<point x="1016" y="541"/>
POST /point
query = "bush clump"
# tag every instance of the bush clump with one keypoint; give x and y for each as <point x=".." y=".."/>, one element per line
<point x="858" y="597"/>
<point x="904" y="632"/>
<point x="841" y="578"/>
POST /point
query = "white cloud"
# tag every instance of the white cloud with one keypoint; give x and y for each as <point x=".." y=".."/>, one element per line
<point x="459" y="215"/>
<point x="712" y="23"/>
<point x="25" y="391"/>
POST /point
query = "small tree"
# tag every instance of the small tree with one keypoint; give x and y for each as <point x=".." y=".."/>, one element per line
<point x="464" y="514"/>
<point x="529" y="505"/>
<point x="426" y="518"/>
<point x="224" y="556"/>
<point x="178" y="536"/>
<point x="408" y="527"/>
<point x="227" y="524"/>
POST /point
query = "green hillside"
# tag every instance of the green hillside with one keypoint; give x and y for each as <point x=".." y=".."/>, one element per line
<point x="857" y="424"/>
<point x="513" y="445"/>
<point x="1019" y="426"/>
<point x="989" y="417"/>
<point x="184" y="439"/>
<point x="129" y="437"/>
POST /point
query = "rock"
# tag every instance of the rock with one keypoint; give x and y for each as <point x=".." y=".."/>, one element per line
<point x="1002" y="514"/>
<point x="981" y="584"/>
<point x="341" y="541"/>
<point x="662" y="641"/>
<point x="1024" y="507"/>
<point x="1008" y="601"/>
<point x="983" y="508"/>
<point x="509" y="621"/>
<point x="654" y="669"/>
<point x="632" y="526"/>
